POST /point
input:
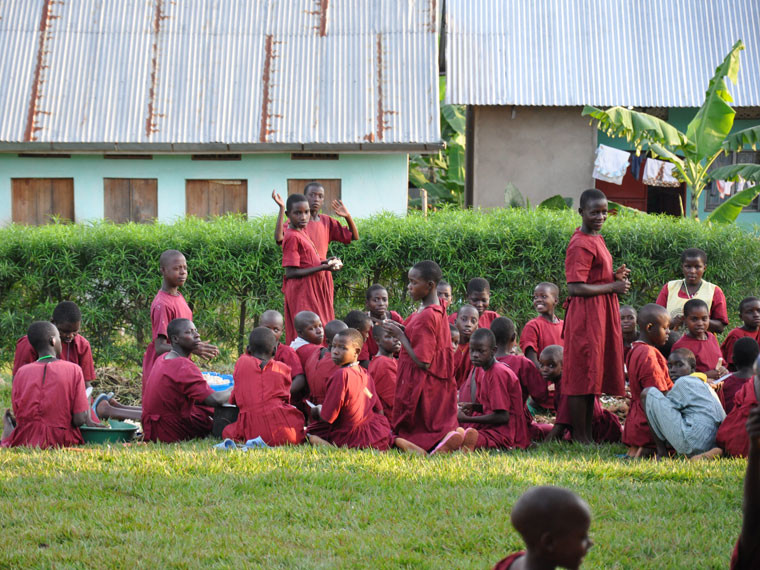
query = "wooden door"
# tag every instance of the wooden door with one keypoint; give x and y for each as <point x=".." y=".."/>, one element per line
<point x="130" y="199"/>
<point x="331" y="186"/>
<point x="207" y="198"/>
<point x="36" y="200"/>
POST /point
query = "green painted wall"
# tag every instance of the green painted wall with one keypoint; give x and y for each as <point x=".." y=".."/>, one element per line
<point x="371" y="183"/>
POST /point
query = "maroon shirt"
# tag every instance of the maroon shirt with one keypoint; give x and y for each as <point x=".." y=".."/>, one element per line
<point x="77" y="351"/>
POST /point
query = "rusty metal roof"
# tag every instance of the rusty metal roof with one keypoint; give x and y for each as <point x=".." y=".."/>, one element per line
<point x="219" y="75"/>
<point x="644" y="53"/>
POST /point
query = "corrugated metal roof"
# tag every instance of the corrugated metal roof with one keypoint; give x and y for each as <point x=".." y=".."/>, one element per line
<point x="643" y="53"/>
<point x="237" y="74"/>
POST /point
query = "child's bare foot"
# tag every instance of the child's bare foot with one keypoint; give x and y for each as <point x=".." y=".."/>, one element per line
<point x="451" y="442"/>
<point x="316" y="440"/>
<point x="9" y="424"/>
<point x="470" y="439"/>
<point x="408" y="447"/>
<point x="713" y="453"/>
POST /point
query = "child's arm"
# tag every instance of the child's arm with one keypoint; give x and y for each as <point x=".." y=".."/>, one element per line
<point x="218" y="398"/>
<point x="591" y="290"/>
<point x="342" y="211"/>
<point x="532" y="355"/>
<point x="278" y="233"/>
<point x="301" y="272"/>
<point x="394" y="330"/>
<point x="162" y="345"/>
<point x="298" y="388"/>
<point x="498" y="417"/>
<point x="751" y="520"/>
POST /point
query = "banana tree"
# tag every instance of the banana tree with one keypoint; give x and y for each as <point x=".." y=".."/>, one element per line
<point x="692" y="152"/>
<point x="728" y="211"/>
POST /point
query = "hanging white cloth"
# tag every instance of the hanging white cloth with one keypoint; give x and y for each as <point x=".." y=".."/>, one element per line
<point x="660" y="173"/>
<point x="610" y="164"/>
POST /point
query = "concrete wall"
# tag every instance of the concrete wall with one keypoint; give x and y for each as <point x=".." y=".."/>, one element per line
<point x="543" y="151"/>
<point x="371" y="183"/>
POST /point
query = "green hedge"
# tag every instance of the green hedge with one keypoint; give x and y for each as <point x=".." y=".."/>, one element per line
<point x="235" y="272"/>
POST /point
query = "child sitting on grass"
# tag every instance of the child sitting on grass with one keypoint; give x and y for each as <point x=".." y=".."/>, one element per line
<point x="48" y="396"/>
<point x="376" y="306"/>
<point x="745" y="352"/>
<point x="466" y="323"/>
<point x="749" y="312"/>
<point x="490" y="401"/>
<point x="700" y="341"/>
<point x="383" y="368"/>
<point x="262" y="392"/>
<point x="546" y="328"/>
<point x="688" y="416"/>
<point x="479" y="296"/>
<point x="274" y="321"/>
<point x="310" y="337"/>
<point x="554" y="524"/>
<point x="362" y="322"/>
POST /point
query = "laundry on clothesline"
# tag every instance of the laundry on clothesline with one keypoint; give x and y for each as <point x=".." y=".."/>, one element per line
<point x="610" y="164"/>
<point x="660" y="173"/>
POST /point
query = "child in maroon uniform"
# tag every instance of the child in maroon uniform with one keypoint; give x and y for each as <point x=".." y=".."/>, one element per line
<point x="445" y="295"/>
<point x="746" y="554"/>
<point x="490" y="401"/>
<point x="169" y="304"/>
<point x="749" y="311"/>
<point x="273" y="320"/>
<point x="646" y="367"/>
<point x="48" y="395"/>
<point x="466" y="323"/>
<point x="383" y="368"/>
<point x="176" y="396"/>
<point x="628" y="317"/>
<point x="425" y="408"/>
<point x="546" y="328"/>
<point x="554" y="524"/>
<point x="262" y="392"/>
<point x="361" y="321"/>
<point x="479" y="296"/>
<point x="732" y="434"/>
<point x="593" y="339"/>
<point x="376" y="306"/>
<point x="745" y="353"/>
<point x="700" y="341"/>
<point x="311" y="335"/>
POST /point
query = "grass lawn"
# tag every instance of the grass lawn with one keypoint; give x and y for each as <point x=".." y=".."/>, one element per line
<point x="189" y="506"/>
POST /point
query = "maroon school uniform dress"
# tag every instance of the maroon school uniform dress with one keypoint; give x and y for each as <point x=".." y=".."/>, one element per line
<point x="288" y="356"/>
<point x="171" y="409"/>
<point x="506" y="563"/>
<point x="45" y="396"/>
<point x="77" y="351"/>
<point x="647" y="368"/>
<point x="532" y="384"/>
<point x="163" y="310"/>
<point x="497" y="389"/>
<point x="263" y="396"/>
<point x="732" y="434"/>
<point x="706" y="351"/>
<point x="425" y="408"/>
<point x="727" y="348"/>
<point x="310" y="293"/>
<point x="462" y="364"/>
<point x="731" y="387"/>
<point x="319" y="367"/>
<point x="322" y="231"/>
<point x="352" y="408"/>
<point x="747" y="558"/>
<point x="484" y="321"/>
<point x="384" y="370"/>
<point x="593" y="337"/>
<point x="370" y="347"/>
<point x="539" y="333"/>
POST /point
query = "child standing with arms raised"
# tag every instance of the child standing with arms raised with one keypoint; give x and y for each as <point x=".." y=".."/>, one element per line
<point x="593" y="337"/>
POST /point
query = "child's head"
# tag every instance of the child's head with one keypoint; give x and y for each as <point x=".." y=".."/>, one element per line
<point x="681" y="362"/>
<point x="554" y="524"/>
<point x="377" y="301"/>
<point x="444" y="292"/>
<point x="68" y="319"/>
<point x="360" y="321"/>
<point x="346" y="346"/>
<point x="43" y="336"/>
<point x="272" y="320"/>
<point x="454" y="335"/>
<point x="298" y="211"/>
<point x="423" y="278"/>
<point x="309" y="327"/>
<point x="331" y="329"/>
<point x="183" y="335"/>
<point x="593" y="210"/>
<point x="550" y="360"/>
<point x="693" y="264"/>
<point x="173" y="268"/>
<point x="315" y="194"/>
<point x="482" y="347"/>
<point x="696" y="317"/>
<point x="628" y="318"/>
<point x="654" y="323"/>
<point x="262" y="343"/>
<point x="504" y="331"/>
<point x="749" y="311"/>
<point x="466" y="322"/>
<point x="479" y="294"/>
<point x="745" y="352"/>
<point x="388" y="343"/>
<point x="545" y="297"/>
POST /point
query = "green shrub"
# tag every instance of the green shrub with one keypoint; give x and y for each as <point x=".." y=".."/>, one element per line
<point x="235" y="267"/>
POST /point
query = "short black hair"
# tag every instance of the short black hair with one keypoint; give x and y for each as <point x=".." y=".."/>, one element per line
<point x="694" y="252"/>
<point x="591" y="195"/>
<point x="429" y="270"/>
<point x="549" y="285"/>
<point x="168" y="255"/>
<point x="294" y="199"/>
<point x="175" y="327"/>
<point x="484" y="334"/>
<point x="38" y="334"/>
<point x="478" y="285"/>
<point x="687" y="355"/>
<point x="372" y="288"/>
<point x="357" y="319"/>
<point x="262" y="340"/>
<point x="745" y="301"/>
<point x="332" y="328"/>
<point x="67" y="312"/>
<point x="693" y="304"/>
<point x="353" y="336"/>
<point x="443" y="283"/>
<point x="745" y="352"/>
<point x="312" y="184"/>
<point x="503" y="329"/>
<point x="378" y="332"/>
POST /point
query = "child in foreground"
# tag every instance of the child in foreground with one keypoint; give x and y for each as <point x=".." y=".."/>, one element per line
<point x="687" y="418"/>
<point x="554" y="524"/>
<point x="749" y="312"/>
<point x="262" y="392"/>
<point x="546" y="328"/>
<point x="746" y="554"/>
<point x="700" y="341"/>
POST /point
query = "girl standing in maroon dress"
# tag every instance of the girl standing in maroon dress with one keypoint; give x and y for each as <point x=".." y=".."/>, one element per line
<point x="593" y="336"/>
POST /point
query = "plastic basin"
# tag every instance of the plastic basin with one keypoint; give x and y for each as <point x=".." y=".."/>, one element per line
<point x="118" y="432"/>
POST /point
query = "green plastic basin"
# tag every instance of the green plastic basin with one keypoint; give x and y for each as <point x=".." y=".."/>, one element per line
<point x="118" y="432"/>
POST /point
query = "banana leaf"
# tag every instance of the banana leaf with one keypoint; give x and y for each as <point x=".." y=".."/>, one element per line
<point x="638" y="127"/>
<point x="750" y="172"/>
<point x="455" y="117"/>
<point x="556" y="202"/>
<point x="745" y="138"/>
<point x="728" y="211"/>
